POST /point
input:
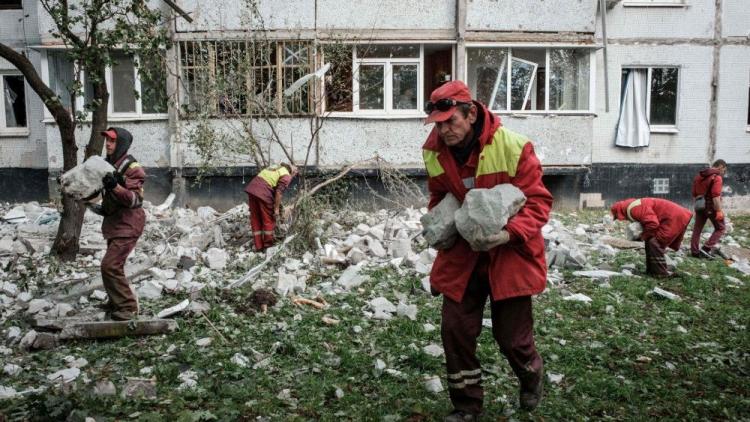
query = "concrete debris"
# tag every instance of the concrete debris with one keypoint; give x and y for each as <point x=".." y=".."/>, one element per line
<point x="204" y="342"/>
<point x="105" y="388"/>
<point x="188" y="379"/>
<point x="114" y="329"/>
<point x="578" y="297"/>
<point x="64" y="375"/>
<point x="486" y="211"/>
<point x="634" y="231"/>
<point x="439" y="224"/>
<point x="433" y="384"/>
<point x="400" y="248"/>
<point x="143" y="388"/>
<point x="85" y="179"/>
<point x="38" y="305"/>
<point x="351" y="277"/>
<point x="382" y="308"/>
<point x="554" y="378"/>
<point x="379" y="367"/>
<point x="597" y="274"/>
<point x="149" y="290"/>
<point x="7" y="392"/>
<point x="216" y="259"/>
<point x="98" y="295"/>
<point x="14" y="333"/>
<point x="409" y="311"/>
<point x="240" y="360"/>
<point x="659" y="292"/>
<point x="12" y="370"/>
<point x="433" y="350"/>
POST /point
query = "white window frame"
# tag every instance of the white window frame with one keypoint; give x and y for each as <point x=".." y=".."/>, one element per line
<point x="387" y="64"/>
<point x="111" y="115"/>
<point x="669" y="129"/>
<point x="660" y="186"/>
<point x="655" y="3"/>
<point x="547" y="47"/>
<point x="12" y="131"/>
<point x="747" y="103"/>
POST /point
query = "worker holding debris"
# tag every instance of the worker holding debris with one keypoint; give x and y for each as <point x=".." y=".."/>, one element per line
<point x="707" y="187"/>
<point x="264" y="195"/>
<point x="664" y="225"/>
<point x="123" y="221"/>
<point x="469" y="148"/>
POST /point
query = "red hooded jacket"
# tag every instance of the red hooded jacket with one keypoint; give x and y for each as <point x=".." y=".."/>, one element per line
<point x="660" y="218"/>
<point x="708" y="178"/>
<point x="517" y="268"/>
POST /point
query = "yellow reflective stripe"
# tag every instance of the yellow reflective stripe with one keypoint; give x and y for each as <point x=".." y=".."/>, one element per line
<point x="134" y="165"/>
<point x="631" y="206"/>
<point x="272" y="175"/>
<point x="431" y="163"/>
<point x="503" y="154"/>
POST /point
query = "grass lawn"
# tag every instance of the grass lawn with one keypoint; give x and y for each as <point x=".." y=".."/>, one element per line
<point x="627" y="355"/>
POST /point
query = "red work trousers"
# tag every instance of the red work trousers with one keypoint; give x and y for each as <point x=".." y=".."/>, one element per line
<point x="262" y="222"/>
<point x="700" y="221"/>
<point x="656" y="262"/>
<point x="121" y="295"/>
<point x="512" y="328"/>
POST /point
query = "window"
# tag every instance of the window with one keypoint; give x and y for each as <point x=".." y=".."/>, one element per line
<point x="13" y="104"/>
<point x="245" y="77"/>
<point x="661" y="186"/>
<point x="660" y="95"/>
<point x="386" y="78"/>
<point x="540" y="79"/>
<point x="11" y="4"/>
<point x="137" y="86"/>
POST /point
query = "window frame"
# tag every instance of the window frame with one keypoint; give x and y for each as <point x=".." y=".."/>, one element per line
<point x="387" y="64"/>
<point x="111" y="115"/>
<point x="654" y="3"/>
<point x="12" y="7"/>
<point x="547" y="47"/>
<point x="13" y="131"/>
<point x="668" y="129"/>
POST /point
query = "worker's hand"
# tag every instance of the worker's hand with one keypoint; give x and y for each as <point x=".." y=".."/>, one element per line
<point x="491" y="241"/>
<point x="109" y="181"/>
<point x="445" y="244"/>
<point x="719" y="215"/>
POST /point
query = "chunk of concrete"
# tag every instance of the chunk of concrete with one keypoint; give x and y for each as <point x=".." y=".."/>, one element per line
<point x="216" y="259"/>
<point x="382" y="308"/>
<point x="409" y="311"/>
<point x="439" y="224"/>
<point x="634" y="231"/>
<point x="38" y="305"/>
<point x="64" y="375"/>
<point x="486" y="211"/>
<point x="351" y="278"/>
<point x="105" y="388"/>
<point x="433" y="384"/>
<point x="85" y="179"/>
<point x="401" y="248"/>
<point x="149" y="290"/>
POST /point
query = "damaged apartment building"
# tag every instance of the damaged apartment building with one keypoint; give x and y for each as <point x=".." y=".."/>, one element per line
<point x="621" y="97"/>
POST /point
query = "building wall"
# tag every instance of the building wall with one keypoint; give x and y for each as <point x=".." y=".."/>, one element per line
<point x="735" y="18"/>
<point x="531" y="15"/>
<point x="696" y="20"/>
<point x="733" y="130"/>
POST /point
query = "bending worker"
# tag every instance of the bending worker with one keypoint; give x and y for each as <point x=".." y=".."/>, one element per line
<point x="664" y="225"/>
<point x="264" y="195"/>
<point x="123" y="222"/>
<point x="469" y="148"/>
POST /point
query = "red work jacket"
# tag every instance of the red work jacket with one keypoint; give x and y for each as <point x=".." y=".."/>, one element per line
<point x="709" y="184"/>
<point x="517" y="268"/>
<point x="129" y="218"/>
<point x="660" y="218"/>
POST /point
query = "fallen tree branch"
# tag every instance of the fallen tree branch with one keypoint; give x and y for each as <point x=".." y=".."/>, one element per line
<point x="319" y="186"/>
<point x="256" y="269"/>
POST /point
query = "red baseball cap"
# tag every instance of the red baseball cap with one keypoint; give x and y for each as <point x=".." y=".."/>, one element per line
<point x="109" y="133"/>
<point x="453" y="90"/>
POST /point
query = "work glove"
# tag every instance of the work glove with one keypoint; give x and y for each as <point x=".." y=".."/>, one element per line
<point x="720" y="215"/>
<point x="492" y="241"/>
<point x="95" y="208"/>
<point x="109" y="181"/>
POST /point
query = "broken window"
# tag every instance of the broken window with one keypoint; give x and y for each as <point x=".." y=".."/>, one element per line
<point x="387" y="78"/>
<point x="14" y="102"/>
<point x="252" y="77"/>
<point x="338" y="80"/>
<point x="517" y="79"/>
<point x="136" y="85"/>
<point x="660" y="94"/>
<point x="11" y="4"/>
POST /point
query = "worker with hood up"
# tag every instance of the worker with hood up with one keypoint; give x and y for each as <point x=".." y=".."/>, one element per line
<point x="123" y="221"/>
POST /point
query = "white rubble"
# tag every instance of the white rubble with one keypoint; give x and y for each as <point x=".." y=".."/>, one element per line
<point x="351" y="277"/>
<point x="149" y="290"/>
<point x="382" y="308"/>
<point x="658" y="291"/>
<point x="240" y="360"/>
<point x="85" y="179"/>
<point x="433" y="384"/>
<point x="164" y="313"/>
<point x="216" y="259"/>
<point x="11" y="369"/>
<point x="439" y="224"/>
<point x="486" y="211"/>
<point x="578" y="297"/>
<point x="407" y="310"/>
<point x="433" y="350"/>
<point x="634" y="231"/>
<point x="64" y="375"/>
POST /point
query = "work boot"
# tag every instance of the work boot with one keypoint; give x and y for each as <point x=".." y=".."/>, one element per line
<point x="531" y="395"/>
<point x="461" y="416"/>
<point x="106" y="306"/>
<point x="122" y="315"/>
<point x="703" y="254"/>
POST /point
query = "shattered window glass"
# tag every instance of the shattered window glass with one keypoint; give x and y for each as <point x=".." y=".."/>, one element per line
<point x="123" y="84"/>
<point x="371" y="87"/>
<point x="14" y="101"/>
<point x="488" y="76"/>
<point x="569" y="79"/>
<point x="664" y="96"/>
<point x="405" y="85"/>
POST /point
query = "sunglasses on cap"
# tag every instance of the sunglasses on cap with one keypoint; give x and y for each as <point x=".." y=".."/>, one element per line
<point x="442" y="105"/>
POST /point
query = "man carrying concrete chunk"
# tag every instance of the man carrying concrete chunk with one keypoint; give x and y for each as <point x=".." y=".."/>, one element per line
<point x="123" y="221"/>
<point x="664" y="225"/>
<point x="469" y="148"/>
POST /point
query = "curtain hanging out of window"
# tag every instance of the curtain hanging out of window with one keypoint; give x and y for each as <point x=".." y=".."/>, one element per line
<point x="633" y="129"/>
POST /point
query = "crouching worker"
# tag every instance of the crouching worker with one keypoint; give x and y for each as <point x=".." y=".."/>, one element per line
<point x="123" y="221"/>
<point x="664" y="225"/>
<point x="264" y="195"/>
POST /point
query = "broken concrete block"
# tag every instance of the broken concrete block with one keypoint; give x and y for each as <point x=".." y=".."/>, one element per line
<point x="433" y="350"/>
<point x="111" y="329"/>
<point x="16" y="215"/>
<point x="382" y="308"/>
<point x="433" y="384"/>
<point x="45" y="341"/>
<point x="27" y="340"/>
<point x="216" y="259"/>
<point x="240" y="360"/>
<point x="11" y="369"/>
<point x="38" y="305"/>
<point x="285" y="284"/>
<point x="160" y="274"/>
<point x="409" y="311"/>
<point x="203" y="342"/>
<point x="355" y="255"/>
<point x="139" y="387"/>
<point x="351" y="278"/>
<point x="85" y="179"/>
<point x="401" y="248"/>
<point x="174" y="309"/>
<point x="486" y="211"/>
<point x="64" y="375"/>
<point x="14" y="333"/>
<point x="61" y="310"/>
<point x="98" y="295"/>
<point x="578" y="297"/>
<point x="597" y="274"/>
<point x="376" y="248"/>
<point x="149" y="290"/>
<point x="7" y="392"/>
<point x="105" y="388"/>
<point x="439" y="224"/>
<point x="664" y="294"/>
<point x="634" y="231"/>
<point x="554" y="378"/>
<point x="24" y="297"/>
<point x="379" y="367"/>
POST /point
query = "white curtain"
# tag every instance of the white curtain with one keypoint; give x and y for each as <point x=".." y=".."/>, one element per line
<point x="633" y="128"/>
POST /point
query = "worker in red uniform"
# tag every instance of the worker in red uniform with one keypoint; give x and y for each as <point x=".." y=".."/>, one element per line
<point x="707" y="187"/>
<point x="664" y="225"/>
<point x="264" y="195"/>
<point x="469" y="148"/>
<point x="123" y="221"/>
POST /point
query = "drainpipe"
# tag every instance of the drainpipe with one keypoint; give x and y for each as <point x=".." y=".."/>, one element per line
<point x="460" y="39"/>
<point x="603" y="9"/>
<point x="173" y="107"/>
<point x="712" y="120"/>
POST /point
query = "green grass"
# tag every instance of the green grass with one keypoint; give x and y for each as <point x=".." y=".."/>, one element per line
<point x="622" y="357"/>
